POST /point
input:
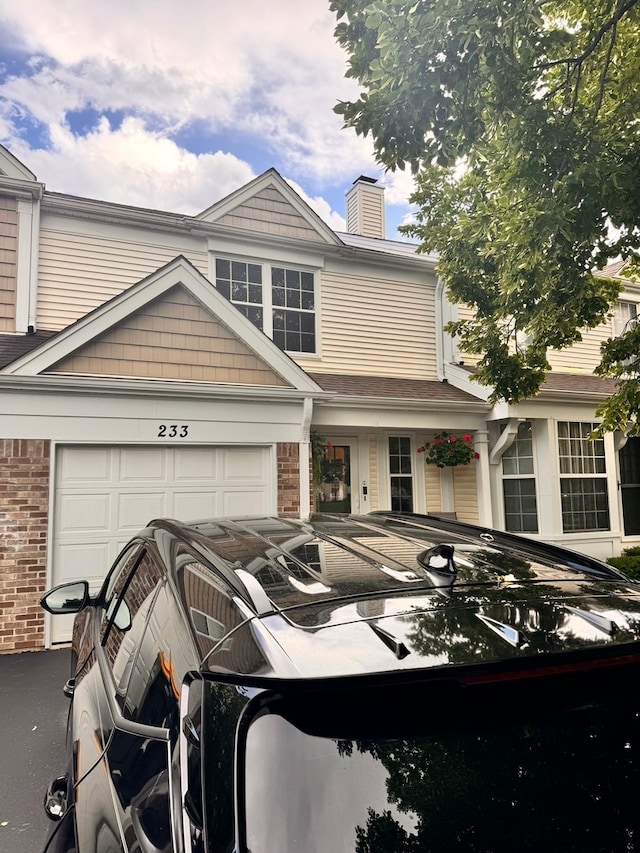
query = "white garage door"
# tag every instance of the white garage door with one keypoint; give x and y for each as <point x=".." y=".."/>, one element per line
<point x="105" y="495"/>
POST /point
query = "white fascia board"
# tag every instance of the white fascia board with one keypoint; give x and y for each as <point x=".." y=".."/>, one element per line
<point x="109" y="386"/>
<point x="105" y="211"/>
<point x="342" y="401"/>
<point x="177" y="272"/>
<point x="20" y="188"/>
<point x="374" y="417"/>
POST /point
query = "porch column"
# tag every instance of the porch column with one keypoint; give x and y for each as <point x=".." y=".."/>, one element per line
<point x="483" y="479"/>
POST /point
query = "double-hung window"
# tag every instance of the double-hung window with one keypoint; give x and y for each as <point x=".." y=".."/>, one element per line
<point x="279" y="300"/>
<point x="519" y="483"/>
<point x="583" y="478"/>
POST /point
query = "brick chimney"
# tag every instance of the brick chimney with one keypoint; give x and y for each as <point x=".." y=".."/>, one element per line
<point x="365" y="208"/>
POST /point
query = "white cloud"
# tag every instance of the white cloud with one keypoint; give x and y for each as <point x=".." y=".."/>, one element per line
<point x="134" y="166"/>
<point x="334" y="219"/>
<point x="242" y="73"/>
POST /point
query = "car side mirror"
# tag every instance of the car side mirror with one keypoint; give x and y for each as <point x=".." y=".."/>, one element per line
<point x="66" y="598"/>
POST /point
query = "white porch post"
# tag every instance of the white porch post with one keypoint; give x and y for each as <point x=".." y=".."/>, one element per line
<point x="483" y="479"/>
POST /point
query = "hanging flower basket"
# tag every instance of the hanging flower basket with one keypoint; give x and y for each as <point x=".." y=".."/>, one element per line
<point x="448" y="450"/>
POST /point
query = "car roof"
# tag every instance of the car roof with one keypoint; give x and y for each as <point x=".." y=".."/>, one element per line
<point x="385" y="593"/>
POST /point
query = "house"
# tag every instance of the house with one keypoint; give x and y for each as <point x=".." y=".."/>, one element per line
<point x="154" y="364"/>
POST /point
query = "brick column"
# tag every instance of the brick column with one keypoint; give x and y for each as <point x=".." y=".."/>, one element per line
<point x="24" y="512"/>
<point x="288" y="479"/>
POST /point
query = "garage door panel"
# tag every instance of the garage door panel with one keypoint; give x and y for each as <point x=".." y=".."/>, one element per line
<point x="136" y="510"/>
<point x="243" y="503"/>
<point x="85" y="561"/>
<point x="143" y="463"/>
<point x="196" y="463"/>
<point x="243" y="465"/>
<point x="87" y="464"/>
<point x="191" y="506"/>
<point x="89" y="513"/>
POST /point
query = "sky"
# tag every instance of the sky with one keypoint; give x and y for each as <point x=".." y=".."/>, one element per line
<point x="173" y="105"/>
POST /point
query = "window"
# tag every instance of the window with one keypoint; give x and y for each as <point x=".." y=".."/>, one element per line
<point x="294" y="321"/>
<point x="286" y="312"/>
<point x="241" y="283"/>
<point x="583" y="478"/>
<point x="400" y="469"/>
<point x="625" y="315"/>
<point x="519" y="484"/>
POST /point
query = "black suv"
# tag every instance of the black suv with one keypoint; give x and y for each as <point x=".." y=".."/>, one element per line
<point x="377" y="683"/>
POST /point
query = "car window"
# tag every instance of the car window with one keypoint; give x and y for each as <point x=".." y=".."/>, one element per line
<point x="127" y="612"/>
<point x="163" y="657"/>
<point x="526" y="767"/>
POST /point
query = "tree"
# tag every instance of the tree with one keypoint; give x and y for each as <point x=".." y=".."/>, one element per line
<point x="521" y="122"/>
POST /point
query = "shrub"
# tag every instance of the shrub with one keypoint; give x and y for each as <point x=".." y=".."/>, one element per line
<point x="628" y="562"/>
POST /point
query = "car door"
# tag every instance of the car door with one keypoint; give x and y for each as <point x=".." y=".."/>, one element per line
<point x="98" y="725"/>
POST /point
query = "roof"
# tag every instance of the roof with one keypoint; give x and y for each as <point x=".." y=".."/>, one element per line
<point x="13" y="347"/>
<point x="385" y="387"/>
<point x="368" y="595"/>
<point x="398" y="248"/>
<point x="579" y="383"/>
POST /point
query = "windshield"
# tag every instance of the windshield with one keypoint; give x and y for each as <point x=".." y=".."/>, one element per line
<point x="498" y="776"/>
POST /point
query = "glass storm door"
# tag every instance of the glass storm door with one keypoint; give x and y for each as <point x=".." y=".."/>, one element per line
<point x="335" y="487"/>
<point x="630" y="486"/>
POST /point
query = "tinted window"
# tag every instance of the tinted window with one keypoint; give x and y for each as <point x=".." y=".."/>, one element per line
<point x="432" y="772"/>
<point x="126" y="613"/>
<point x="164" y="656"/>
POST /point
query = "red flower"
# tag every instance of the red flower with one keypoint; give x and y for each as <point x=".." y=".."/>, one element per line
<point x="476" y="455"/>
<point x="421" y="450"/>
<point x="437" y="441"/>
<point x="452" y="438"/>
<point x="466" y="438"/>
<point x="329" y="446"/>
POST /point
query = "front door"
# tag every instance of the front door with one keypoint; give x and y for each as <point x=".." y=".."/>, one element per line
<point x="337" y="475"/>
<point x="630" y="486"/>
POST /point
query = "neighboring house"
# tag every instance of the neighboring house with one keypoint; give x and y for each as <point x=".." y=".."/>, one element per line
<point x="154" y="364"/>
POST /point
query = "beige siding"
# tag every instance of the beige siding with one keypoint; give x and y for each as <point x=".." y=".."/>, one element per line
<point x="171" y="338"/>
<point x="471" y="359"/>
<point x="78" y="272"/>
<point x="584" y="355"/>
<point x="271" y="213"/>
<point x="465" y="491"/>
<point x="372" y="216"/>
<point x="376" y="327"/>
<point x="8" y="262"/>
<point x="432" y="488"/>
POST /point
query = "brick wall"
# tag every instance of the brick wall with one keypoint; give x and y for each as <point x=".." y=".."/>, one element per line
<point x="288" y="479"/>
<point x="24" y="499"/>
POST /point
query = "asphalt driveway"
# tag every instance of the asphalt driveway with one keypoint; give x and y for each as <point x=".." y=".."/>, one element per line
<point x="33" y="718"/>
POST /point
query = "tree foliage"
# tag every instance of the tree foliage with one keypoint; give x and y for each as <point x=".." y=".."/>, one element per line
<point x="521" y="121"/>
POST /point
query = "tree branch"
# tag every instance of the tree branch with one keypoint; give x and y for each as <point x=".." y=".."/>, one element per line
<point x="624" y="6"/>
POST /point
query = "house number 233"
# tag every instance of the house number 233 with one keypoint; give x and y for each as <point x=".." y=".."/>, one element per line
<point x="173" y="430"/>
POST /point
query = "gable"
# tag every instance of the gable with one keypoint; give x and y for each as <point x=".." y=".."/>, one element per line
<point x="172" y="325"/>
<point x="270" y="213"/>
<point x="172" y="337"/>
<point x="11" y="167"/>
<point x="269" y="205"/>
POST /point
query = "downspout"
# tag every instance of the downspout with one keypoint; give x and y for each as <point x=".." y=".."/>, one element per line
<point x="304" y="459"/>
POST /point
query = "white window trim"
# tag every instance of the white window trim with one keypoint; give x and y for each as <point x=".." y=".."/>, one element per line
<point x="533" y="476"/>
<point x="267" y="303"/>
